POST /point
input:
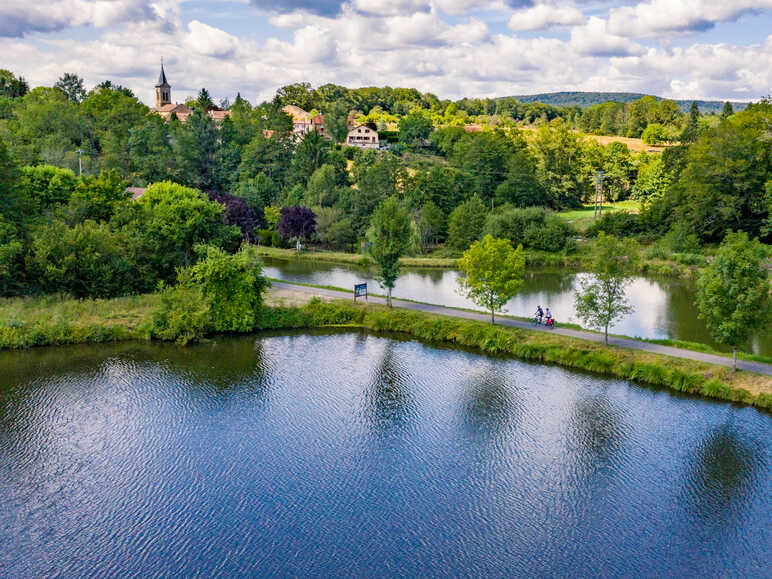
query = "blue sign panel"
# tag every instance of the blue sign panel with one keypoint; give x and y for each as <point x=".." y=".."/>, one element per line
<point x="360" y="290"/>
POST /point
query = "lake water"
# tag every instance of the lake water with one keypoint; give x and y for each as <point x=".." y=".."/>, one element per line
<point x="664" y="307"/>
<point x="347" y="454"/>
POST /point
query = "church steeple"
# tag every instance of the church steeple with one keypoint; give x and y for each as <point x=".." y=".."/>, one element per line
<point x="163" y="90"/>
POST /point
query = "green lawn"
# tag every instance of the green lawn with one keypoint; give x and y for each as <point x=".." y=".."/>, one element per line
<point x="582" y="218"/>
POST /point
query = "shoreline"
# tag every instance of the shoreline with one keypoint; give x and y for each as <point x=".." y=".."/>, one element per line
<point x="129" y="320"/>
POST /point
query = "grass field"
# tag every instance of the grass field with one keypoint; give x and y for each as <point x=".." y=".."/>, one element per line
<point x="583" y="218"/>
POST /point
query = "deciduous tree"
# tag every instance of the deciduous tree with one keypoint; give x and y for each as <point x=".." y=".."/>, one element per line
<point x="601" y="299"/>
<point x="733" y="292"/>
<point x="493" y="273"/>
<point x="391" y="231"/>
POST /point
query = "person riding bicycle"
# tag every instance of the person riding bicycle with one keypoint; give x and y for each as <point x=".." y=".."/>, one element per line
<point x="549" y="317"/>
<point x="539" y="313"/>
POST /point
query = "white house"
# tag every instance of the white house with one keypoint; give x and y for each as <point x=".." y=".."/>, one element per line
<point x="363" y="137"/>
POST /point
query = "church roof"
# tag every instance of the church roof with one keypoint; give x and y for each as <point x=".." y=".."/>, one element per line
<point x="162" y="77"/>
<point x="173" y="108"/>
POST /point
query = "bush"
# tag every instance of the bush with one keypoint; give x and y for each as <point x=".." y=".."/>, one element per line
<point x="466" y="222"/>
<point x="681" y="239"/>
<point x="220" y="293"/>
<point x="618" y="224"/>
<point x="534" y="227"/>
<point x="182" y="316"/>
<point x="265" y="236"/>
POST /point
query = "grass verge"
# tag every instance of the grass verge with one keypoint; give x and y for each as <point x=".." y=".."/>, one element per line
<point x="51" y="321"/>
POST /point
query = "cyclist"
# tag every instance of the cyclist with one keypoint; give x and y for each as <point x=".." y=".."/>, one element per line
<point x="549" y="317"/>
<point x="539" y="314"/>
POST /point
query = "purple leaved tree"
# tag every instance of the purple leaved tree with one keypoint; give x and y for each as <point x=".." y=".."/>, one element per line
<point x="238" y="212"/>
<point x="298" y="223"/>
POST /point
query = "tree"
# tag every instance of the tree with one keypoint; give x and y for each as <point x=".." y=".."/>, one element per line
<point x="12" y="195"/>
<point x="204" y="100"/>
<point x="336" y="121"/>
<point x="733" y="292"/>
<point x="322" y="187"/>
<point x="691" y="131"/>
<point x="167" y="222"/>
<point x="414" y="128"/>
<point x="72" y="86"/>
<point x="559" y="158"/>
<point x="310" y="154"/>
<point x="298" y="223"/>
<point x="466" y="223"/>
<point x="728" y="110"/>
<point x="431" y="223"/>
<point x="11" y="86"/>
<point x="390" y="224"/>
<point x="654" y="134"/>
<point x="722" y="184"/>
<point x="196" y="145"/>
<point x="493" y="273"/>
<point x="601" y="299"/>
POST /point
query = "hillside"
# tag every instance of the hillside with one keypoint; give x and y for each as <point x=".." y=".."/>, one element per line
<point x="587" y="99"/>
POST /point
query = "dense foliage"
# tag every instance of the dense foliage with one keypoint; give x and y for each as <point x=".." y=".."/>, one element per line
<point x="459" y="169"/>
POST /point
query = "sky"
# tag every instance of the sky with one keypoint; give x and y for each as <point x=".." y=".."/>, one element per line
<point x="708" y="49"/>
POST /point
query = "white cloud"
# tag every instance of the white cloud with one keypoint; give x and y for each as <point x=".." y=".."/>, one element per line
<point x="449" y="57"/>
<point x="210" y="41"/>
<point x="594" y="39"/>
<point x="658" y="17"/>
<point x="20" y="17"/>
<point x="543" y="16"/>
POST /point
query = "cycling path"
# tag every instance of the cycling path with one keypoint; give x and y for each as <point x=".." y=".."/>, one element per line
<point x="758" y="367"/>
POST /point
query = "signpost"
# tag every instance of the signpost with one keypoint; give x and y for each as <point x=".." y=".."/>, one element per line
<point x="360" y="290"/>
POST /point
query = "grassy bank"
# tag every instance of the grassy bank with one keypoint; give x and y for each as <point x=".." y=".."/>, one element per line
<point x="355" y="258"/>
<point x="49" y="321"/>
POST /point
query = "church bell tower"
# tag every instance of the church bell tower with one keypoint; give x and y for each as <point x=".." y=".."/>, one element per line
<point x="163" y="91"/>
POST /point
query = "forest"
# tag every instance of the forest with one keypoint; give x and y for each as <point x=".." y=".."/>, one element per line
<point x="67" y="155"/>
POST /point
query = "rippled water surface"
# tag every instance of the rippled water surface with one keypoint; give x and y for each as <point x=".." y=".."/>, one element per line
<point x="663" y="307"/>
<point x="354" y="455"/>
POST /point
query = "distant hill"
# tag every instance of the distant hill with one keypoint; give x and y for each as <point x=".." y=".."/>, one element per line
<point x="587" y="99"/>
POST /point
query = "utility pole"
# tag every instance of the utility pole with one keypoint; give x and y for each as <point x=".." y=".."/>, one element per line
<point x="599" y="194"/>
<point x="80" y="162"/>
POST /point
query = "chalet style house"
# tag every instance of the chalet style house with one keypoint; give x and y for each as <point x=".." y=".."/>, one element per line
<point x="363" y="137"/>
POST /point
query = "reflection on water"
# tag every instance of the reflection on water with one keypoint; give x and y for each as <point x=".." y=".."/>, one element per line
<point x="348" y="454"/>
<point x="389" y="391"/>
<point x="664" y="307"/>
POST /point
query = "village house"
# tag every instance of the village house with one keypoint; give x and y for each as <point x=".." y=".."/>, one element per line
<point x="363" y="137"/>
<point x="304" y="122"/>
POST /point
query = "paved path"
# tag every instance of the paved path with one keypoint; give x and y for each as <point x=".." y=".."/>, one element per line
<point x="759" y="367"/>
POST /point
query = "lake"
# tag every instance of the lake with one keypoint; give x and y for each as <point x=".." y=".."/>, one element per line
<point x="348" y="454"/>
<point x="664" y="307"/>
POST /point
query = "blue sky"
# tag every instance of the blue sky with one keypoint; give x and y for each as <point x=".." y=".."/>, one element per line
<point x="680" y="49"/>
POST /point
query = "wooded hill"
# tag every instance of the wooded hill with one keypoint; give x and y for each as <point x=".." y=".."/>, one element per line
<point x="587" y="99"/>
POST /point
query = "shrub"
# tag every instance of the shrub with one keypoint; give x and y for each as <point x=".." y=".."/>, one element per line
<point x="618" y="224"/>
<point x="681" y="239"/>
<point x="221" y="293"/>
<point x="533" y="227"/>
<point x="182" y="316"/>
